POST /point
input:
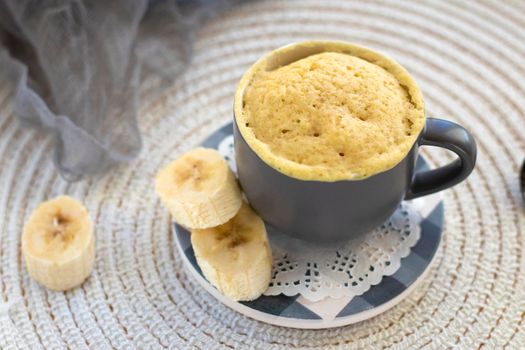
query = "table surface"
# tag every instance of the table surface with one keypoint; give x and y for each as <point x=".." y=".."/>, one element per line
<point x="468" y="60"/>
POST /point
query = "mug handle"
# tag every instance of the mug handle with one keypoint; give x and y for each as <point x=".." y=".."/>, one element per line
<point x="454" y="137"/>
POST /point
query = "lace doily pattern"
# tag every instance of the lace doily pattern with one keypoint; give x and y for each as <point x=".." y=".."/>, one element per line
<point x="346" y="269"/>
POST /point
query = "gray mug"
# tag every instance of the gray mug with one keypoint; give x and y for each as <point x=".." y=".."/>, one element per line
<point x="329" y="211"/>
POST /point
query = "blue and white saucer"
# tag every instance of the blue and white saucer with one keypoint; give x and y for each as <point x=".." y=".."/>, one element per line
<point x="298" y="312"/>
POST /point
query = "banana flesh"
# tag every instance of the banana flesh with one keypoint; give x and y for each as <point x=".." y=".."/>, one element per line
<point x="58" y="243"/>
<point x="235" y="257"/>
<point x="199" y="189"/>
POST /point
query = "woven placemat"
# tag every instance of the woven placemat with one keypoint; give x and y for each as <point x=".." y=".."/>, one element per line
<point x="468" y="59"/>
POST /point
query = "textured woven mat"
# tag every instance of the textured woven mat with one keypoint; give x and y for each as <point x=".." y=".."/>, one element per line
<point x="468" y="59"/>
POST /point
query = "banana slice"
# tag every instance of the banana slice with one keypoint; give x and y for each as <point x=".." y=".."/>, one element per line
<point x="235" y="257"/>
<point x="58" y="243"/>
<point x="199" y="189"/>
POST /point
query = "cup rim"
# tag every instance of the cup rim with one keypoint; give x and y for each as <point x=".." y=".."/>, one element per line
<point x="296" y="51"/>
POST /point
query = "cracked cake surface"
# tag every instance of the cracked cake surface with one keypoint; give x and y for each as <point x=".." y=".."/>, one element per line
<point x="331" y="116"/>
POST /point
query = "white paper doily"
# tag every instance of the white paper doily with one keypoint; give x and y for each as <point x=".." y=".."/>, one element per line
<point x="343" y="269"/>
<point x="347" y="269"/>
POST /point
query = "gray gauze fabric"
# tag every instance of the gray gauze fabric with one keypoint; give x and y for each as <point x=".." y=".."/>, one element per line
<point x="75" y="67"/>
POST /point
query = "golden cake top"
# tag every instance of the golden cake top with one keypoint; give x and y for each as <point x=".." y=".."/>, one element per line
<point x="330" y="116"/>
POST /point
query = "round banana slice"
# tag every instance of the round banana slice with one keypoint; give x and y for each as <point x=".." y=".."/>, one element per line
<point x="199" y="189"/>
<point x="58" y="243"/>
<point x="235" y="257"/>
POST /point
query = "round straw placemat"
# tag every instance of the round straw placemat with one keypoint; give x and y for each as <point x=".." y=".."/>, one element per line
<point x="468" y="59"/>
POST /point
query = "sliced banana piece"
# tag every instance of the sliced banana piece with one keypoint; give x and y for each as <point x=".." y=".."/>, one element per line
<point x="199" y="189"/>
<point x="58" y="243"/>
<point x="235" y="257"/>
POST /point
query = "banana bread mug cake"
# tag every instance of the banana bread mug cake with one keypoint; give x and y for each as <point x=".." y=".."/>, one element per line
<point x="331" y="116"/>
<point x="326" y="138"/>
